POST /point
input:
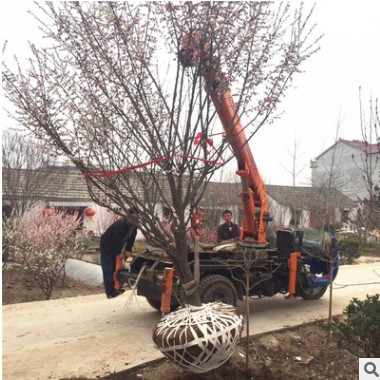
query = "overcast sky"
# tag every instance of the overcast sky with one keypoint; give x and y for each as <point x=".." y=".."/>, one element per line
<point x="327" y="92"/>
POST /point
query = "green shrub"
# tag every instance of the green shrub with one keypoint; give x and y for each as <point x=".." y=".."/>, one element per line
<point x="360" y="332"/>
<point x="312" y="234"/>
<point x="371" y="248"/>
<point x="350" y="249"/>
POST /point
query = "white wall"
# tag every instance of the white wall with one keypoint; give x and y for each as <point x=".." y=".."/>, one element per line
<point x="347" y="172"/>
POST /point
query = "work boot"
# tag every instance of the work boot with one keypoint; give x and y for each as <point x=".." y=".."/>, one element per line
<point x="116" y="294"/>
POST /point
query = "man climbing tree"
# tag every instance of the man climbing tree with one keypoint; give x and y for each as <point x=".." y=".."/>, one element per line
<point x="111" y="94"/>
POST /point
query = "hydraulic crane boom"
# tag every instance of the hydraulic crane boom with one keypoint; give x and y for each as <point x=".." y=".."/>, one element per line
<point x="253" y="194"/>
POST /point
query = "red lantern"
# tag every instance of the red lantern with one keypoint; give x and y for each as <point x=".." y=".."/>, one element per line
<point x="89" y="211"/>
<point x="48" y="211"/>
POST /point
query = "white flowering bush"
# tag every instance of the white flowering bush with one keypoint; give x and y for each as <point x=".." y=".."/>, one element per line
<point x="42" y="244"/>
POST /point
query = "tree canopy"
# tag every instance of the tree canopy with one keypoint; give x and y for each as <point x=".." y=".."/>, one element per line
<point x="110" y="93"/>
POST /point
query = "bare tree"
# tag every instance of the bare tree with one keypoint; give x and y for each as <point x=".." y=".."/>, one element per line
<point x="331" y="177"/>
<point x="25" y="171"/>
<point x="368" y="165"/>
<point x="111" y="94"/>
<point x="295" y="169"/>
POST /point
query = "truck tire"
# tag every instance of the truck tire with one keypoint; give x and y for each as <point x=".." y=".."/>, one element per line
<point x="156" y="304"/>
<point x="216" y="287"/>
<point x="312" y="293"/>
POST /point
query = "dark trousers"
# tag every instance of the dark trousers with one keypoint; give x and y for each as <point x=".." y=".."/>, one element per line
<point x="108" y="263"/>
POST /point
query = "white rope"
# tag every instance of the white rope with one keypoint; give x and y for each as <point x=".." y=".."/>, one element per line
<point x="134" y="288"/>
<point x="199" y="339"/>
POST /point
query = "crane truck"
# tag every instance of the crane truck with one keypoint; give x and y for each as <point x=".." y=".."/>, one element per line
<point x="249" y="266"/>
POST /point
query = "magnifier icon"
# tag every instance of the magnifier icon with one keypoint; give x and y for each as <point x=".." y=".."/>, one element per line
<point x="370" y="368"/>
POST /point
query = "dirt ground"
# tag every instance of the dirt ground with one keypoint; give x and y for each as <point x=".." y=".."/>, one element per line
<point x="18" y="287"/>
<point x="297" y="353"/>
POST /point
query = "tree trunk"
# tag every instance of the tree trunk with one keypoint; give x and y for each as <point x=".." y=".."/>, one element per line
<point x="182" y="269"/>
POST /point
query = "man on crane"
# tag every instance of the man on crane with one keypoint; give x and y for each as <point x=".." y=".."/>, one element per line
<point x="227" y="230"/>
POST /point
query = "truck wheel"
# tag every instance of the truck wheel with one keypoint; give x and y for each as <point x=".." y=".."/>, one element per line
<point x="308" y="292"/>
<point x="215" y="287"/>
<point x="312" y="293"/>
<point x="156" y="304"/>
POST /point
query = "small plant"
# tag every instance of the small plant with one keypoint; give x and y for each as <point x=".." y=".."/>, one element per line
<point x="42" y="244"/>
<point x="359" y="333"/>
<point x="350" y="249"/>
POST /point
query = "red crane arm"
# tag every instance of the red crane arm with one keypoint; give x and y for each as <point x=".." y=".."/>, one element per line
<point x="253" y="194"/>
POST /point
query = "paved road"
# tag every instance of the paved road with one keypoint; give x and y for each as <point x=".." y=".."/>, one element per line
<point x="92" y="336"/>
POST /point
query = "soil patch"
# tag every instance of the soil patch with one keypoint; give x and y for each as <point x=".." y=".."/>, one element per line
<point x="19" y="287"/>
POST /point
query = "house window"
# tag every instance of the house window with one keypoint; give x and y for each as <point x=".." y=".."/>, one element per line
<point x="167" y="213"/>
<point x="7" y="211"/>
<point x="72" y="210"/>
<point x="116" y="210"/>
<point x="345" y="214"/>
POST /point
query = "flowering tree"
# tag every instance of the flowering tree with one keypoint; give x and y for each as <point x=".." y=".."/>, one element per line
<point x="42" y="244"/>
<point x="111" y="94"/>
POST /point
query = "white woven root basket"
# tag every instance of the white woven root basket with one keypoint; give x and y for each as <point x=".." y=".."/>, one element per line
<point x="199" y="339"/>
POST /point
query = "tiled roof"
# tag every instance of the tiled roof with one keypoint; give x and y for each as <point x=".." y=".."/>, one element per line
<point x="363" y="146"/>
<point x="221" y="194"/>
<point x="303" y="198"/>
<point x="63" y="185"/>
<point x="66" y="185"/>
<point x="359" y="145"/>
